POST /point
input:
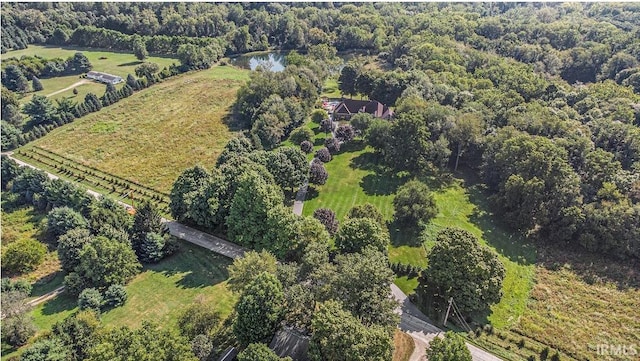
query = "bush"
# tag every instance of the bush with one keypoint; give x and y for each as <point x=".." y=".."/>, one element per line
<point x="319" y="115"/>
<point x="332" y="144"/>
<point x="23" y="256"/>
<point x="300" y="135"/>
<point x="555" y="357"/>
<point x="306" y="146"/>
<point x="328" y="219"/>
<point x="317" y="173"/>
<point x="326" y="125"/>
<point x="324" y="155"/>
<point x="17" y="330"/>
<point x="90" y="299"/>
<point x="345" y="133"/>
<point x="115" y="296"/>
<point x="20" y="285"/>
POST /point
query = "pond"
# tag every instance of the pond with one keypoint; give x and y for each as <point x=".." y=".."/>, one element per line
<point x="271" y="61"/>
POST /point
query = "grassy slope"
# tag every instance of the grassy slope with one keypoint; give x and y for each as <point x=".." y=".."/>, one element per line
<point x="160" y="293"/>
<point x="352" y="180"/>
<point x="152" y="136"/>
<point x="116" y="63"/>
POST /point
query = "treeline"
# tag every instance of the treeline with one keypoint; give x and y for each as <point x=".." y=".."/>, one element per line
<point x="328" y="293"/>
<point x="37" y="66"/>
<point x="579" y="42"/>
<point x="562" y="161"/>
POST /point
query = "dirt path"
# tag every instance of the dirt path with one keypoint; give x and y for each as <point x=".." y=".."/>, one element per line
<point x="83" y="81"/>
<point x="47" y="296"/>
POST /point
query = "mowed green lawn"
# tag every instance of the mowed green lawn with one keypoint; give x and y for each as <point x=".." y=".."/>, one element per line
<point x="160" y="293"/>
<point x="154" y="135"/>
<point x="116" y="63"/>
<point x="355" y="179"/>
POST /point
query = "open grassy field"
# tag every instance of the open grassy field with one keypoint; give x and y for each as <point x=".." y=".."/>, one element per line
<point x="152" y="136"/>
<point x="355" y="179"/>
<point x="160" y="293"/>
<point x="116" y="63"/>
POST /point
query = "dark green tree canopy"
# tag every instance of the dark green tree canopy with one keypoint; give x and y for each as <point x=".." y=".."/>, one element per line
<point x="450" y="348"/>
<point x="259" y="310"/>
<point x="355" y="234"/>
<point x="459" y="267"/>
<point x="414" y="204"/>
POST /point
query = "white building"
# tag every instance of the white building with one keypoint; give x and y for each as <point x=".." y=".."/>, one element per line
<point x="104" y="77"/>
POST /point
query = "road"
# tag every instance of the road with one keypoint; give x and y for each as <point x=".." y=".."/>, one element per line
<point x="420" y="328"/>
<point x="208" y="241"/>
<point x="412" y="320"/>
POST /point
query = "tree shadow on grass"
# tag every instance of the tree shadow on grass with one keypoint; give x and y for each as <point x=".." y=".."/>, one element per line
<point x="318" y="142"/>
<point x="402" y="235"/>
<point x="198" y="268"/>
<point x="131" y="63"/>
<point x="352" y="146"/>
<point x="232" y="122"/>
<point x="63" y="302"/>
<point x="312" y="193"/>
<point x="510" y="244"/>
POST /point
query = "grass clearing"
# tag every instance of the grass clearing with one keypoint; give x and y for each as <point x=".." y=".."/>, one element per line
<point x="152" y="136"/>
<point x="160" y="293"/>
<point x="108" y="61"/>
<point x="355" y="179"/>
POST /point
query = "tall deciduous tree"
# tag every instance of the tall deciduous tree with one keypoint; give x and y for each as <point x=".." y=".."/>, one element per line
<point x="248" y="214"/>
<point x="459" y="267"/>
<point x="347" y="79"/>
<point x="414" y="204"/>
<point x="146" y="344"/>
<point x="450" y="348"/>
<point x="69" y="246"/>
<point x="105" y="262"/>
<point x="259" y="310"/>
<point x="339" y="336"/>
<point x="355" y="234"/>
<point x="245" y="269"/>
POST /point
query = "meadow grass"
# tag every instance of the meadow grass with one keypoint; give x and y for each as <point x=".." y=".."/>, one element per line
<point x="107" y="61"/>
<point x="23" y="222"/>
<point x="154" y="135"/>
<point x="159" y="293"/>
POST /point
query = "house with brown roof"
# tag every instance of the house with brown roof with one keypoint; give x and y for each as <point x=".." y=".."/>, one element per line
<point x="348" y="107"/>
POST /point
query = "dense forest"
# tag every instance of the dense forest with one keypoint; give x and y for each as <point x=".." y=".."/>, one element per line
<point x="540" y="102"/>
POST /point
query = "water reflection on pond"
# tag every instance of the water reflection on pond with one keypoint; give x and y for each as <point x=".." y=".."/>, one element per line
<point x="271" y="61"/>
